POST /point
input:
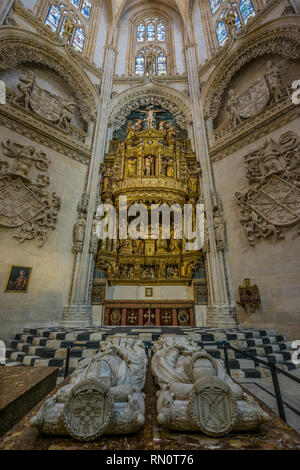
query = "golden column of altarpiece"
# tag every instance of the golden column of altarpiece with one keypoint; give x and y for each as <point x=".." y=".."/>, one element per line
<point x="150" y="167"/>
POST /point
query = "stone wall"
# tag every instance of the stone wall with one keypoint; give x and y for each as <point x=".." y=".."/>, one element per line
<point x="52" y="263"/>
<point x="273" y="265"/>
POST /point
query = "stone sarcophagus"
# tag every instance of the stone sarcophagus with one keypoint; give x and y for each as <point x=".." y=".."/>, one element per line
<point x="196" y="394"/>
<point x="104" y="395"/>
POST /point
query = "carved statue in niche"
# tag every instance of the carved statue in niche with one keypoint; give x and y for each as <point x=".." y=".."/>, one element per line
<point x="78" y="233"/>
<point x="168" y="167"/>
<point x="161" y="243"/>
<point x="104" y="395"/>
<point x="67" y="113"/>
<point x="25" y="204"/>
<point x="274" y="80"/>
<point x="25" y="87"/>
<point x="171" y="133"/>
<point x="148" y="272"/>
<point x="126" y="271"/>
<point x="232" y="108"/>
<point x="138" y="247"/>
<point x="149" y="165"/>
<point x="175" y="245"/>
<point x="230" y="20"/>
<point x="69" y="26"/>
<point x="219" y="230"/>
<point x="150" y="63"/>
<point x="271" y="204"/>
<point x="193" y="177"/>
<point x="131" y="167"/>
<point x="126" y="247"/>
<point x="172" y="271"/>
<point x="196" y="394"/>
<point x="107" y="176"/>
<point x="94" y="237"/>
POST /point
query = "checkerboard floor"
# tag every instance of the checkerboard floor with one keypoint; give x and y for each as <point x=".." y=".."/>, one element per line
<point x="48" y="346"/>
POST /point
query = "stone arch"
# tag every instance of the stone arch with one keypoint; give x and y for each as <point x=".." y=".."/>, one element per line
<point x="19" y="46"/>
<point x="151" y="93"/>
<point x="280" y="36"/>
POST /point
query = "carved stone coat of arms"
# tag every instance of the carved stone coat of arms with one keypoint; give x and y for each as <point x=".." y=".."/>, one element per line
<point x="254" y="99"/>
<point x="25" y="203"/>
<point x="272" y="204"/>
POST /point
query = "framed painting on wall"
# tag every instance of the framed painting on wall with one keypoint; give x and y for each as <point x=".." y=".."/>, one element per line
<point x="18" y="280"/>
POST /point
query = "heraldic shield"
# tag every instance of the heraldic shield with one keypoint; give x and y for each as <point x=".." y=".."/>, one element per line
<point x="277" y="201"/>
<point x="18" y="204"/>
<point x="211" y="406"/>
<point x="45" y="104"/>
<point x="254" y="99"/>
<point x="88" y="410"/>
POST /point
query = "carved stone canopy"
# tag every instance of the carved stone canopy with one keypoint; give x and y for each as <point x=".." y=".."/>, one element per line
<point x="18" y="46"/>
<point x="280" y="40"/>
<point x="163" y="97"/>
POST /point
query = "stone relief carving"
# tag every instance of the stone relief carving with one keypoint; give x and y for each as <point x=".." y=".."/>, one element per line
<point x="17" y="50"/>
<point x="196" y="394"/>
<point x="267" y="89"/>
<point x="280" y="42"/>
<point x="104" y="395"/>
<point x="272" y="203"/>
<point x="25" y="203"/>
<point x="53" y="108"/>
<point x="165" y="101"/>
<point x="80" y="225"/>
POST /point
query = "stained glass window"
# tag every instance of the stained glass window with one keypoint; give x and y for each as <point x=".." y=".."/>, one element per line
<point x="161" y="64"/>
<point x="86" y="8"/>
<point x="53" y="17"/>
<point x="141" y="33"/>
<point x="62" y="28"/>
<point x="221" y="33"/>
<point x="150" y="32"/>
<point x="76" y="3"/>
<point x="214" y="5"/>
<point x="79" y="39"/>
<point x="140" y="64"/>
<point x="161" y="32"/>
<point x="237" y="20"/>
<point x="247" y="10"/>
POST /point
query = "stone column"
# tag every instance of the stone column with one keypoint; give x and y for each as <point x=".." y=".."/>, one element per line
<point x="5" y="6"/>
<point x="79" y="310"/>
<point x="219" y="311"/>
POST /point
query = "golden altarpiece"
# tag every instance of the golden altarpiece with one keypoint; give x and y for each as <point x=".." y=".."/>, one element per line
<point x="150" y="167"/>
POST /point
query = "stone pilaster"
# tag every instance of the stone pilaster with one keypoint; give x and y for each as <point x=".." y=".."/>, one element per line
<point x="79" y="310"/>
<point x="219" y="309"/>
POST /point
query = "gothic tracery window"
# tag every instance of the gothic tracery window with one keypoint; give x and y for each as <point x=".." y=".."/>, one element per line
<point x="159" y="61"/>
<point x="58" y="14"/>
<point x="221" y="33"/>
<point x="243" y="11"/>
<point x="151" y="30"/>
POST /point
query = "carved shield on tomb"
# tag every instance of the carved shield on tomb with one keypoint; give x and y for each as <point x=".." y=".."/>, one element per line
<point x="211" y="407"/>
<point x="277" y="201"/>
<point x="254" y="99"/>
<point x="88" y="410"/>
<point x="18" y="204"/>
<point x="45" y="104"/>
